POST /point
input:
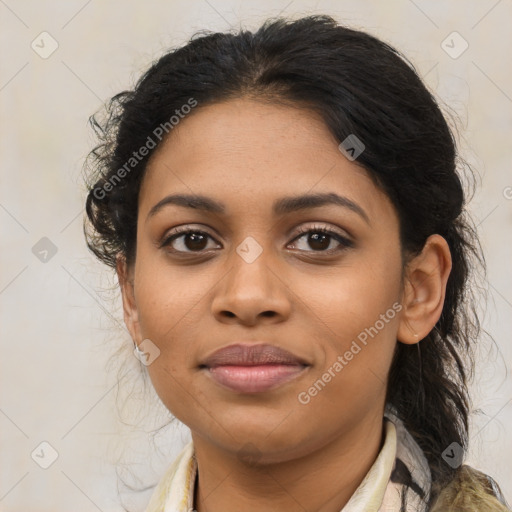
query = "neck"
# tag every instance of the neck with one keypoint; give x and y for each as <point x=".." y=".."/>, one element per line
<point x="323" y="480"/>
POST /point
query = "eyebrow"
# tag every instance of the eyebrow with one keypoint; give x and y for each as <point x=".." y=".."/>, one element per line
<point x="281" y="206"/>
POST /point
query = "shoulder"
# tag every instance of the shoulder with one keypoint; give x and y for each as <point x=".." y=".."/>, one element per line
<point x="471" y="490"/>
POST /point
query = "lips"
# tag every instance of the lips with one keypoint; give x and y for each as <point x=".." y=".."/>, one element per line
<point x="251" y="355"/>
<point x="253" y="368"/>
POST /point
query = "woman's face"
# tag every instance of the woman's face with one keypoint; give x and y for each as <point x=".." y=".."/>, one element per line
<point x="252" y="274"/>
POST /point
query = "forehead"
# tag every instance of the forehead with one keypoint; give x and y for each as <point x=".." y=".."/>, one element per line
<point x="248" y="153"/>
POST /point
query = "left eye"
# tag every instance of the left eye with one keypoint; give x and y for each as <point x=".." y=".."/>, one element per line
<point x="320" y="239"/>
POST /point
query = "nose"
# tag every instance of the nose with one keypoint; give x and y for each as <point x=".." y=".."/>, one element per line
<point x="251" y="292"/>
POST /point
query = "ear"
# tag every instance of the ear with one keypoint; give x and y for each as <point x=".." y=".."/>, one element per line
<point x="424" y="290"/>
<point x="126" y="283"/>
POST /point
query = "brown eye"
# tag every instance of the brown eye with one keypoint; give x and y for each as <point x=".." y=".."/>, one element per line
<point x="187" y="240"/>
<point x="320" y="239"/>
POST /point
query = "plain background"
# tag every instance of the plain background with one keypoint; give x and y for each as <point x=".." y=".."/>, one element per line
<point x="60" y="321"/>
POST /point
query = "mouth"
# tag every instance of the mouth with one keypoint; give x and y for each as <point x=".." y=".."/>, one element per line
<point x="253" y="368"/>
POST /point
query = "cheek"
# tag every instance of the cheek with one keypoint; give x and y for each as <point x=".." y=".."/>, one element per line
<point x="168" y="302"/>
<point x="167" y="311"/>
<point x="357" y="316"/>
<point x="167" y="297"/>
<point x="349" y="299"/>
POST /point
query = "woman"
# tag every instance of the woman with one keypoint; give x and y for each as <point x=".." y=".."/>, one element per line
<point x="287" y="224"/>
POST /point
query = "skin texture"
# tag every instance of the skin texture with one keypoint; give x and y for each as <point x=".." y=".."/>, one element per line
<point x="246" y="154"/>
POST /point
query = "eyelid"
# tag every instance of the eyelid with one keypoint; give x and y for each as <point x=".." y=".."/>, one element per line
<point x="323" y="228"/>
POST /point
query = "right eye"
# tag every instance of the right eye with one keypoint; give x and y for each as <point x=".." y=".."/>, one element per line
<point x="190" y="240"/>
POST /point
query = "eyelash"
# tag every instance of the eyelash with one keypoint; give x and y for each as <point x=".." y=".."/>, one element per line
<point x="344" y="242"/>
